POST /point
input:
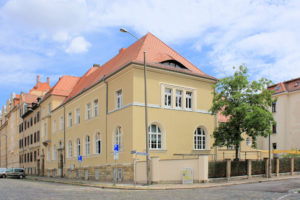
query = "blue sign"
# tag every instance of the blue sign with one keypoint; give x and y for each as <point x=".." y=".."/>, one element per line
<point x="141" y="153"/>
<point x="79" y="158"/>
<point x="116" y="147"/>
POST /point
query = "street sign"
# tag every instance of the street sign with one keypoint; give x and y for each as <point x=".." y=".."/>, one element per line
<point x="116" y="155"/>
<point x="141" y="153"/>
<point x="116" y="147"/>
<point x="80" y="158"/>
<point x="133" y="152"/>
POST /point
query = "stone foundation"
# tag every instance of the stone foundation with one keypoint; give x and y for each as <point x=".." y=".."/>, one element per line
<point x="105" y="173"/>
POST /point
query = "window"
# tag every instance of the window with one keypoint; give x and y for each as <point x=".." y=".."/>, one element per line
<point x="87" y="145"/>
<point x="119" y="99"/>
<point x="48" y="153"/>
<point x="31" y="139"/>
<point x="38" y="136"/>
<point x="37" y="116"/>
<point x="49" y="108"/>
<point x="70" y="149"/>
<point x="98" y="143"/>
<point x="54" y="152"/>
<point x="248" y="141"/>
<point x="178" y="99"/>
<point x="274" y="145"/>
<point x="168" y="97"/>
<point x="78" y="147"/>
<point x="34" y="156"/>
<point x="34" y="137"/>
<point x="154" y="137"/>
<point x="70" y="119"/>
<point x="88" y="111"/>
<point x="199" y="139"/>
<point x="31" y="121"/>
<point x="274" y="107"/>
<point x="61" y="121"/>
<point x="188" y="98"/>
<point x="77" y="116"/>
<point x="96" y="108"/>
<point x="45" y="129"/>
<point x="118" y="137"/>
<point x="274" y="128"/>
<point x="54" y="126"/>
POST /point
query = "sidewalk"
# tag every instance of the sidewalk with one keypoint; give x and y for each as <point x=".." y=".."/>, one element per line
<point x="157" y="186"/>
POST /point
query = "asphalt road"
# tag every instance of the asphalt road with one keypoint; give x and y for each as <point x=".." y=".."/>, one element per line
<point x="31" y="190"/>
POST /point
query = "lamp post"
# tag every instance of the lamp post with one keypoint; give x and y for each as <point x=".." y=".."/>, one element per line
<point x="146" y="110"/>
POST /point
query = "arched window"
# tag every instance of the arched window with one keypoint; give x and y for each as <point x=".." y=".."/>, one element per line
<point x="154" y="137"/>
<point x="199" y="139"/>
<point x="70" y="149"/>
<point x="78" y="147"/>
<point x="118" y="137"/>
<point x="98" y="143"/>
<point x="87" y="145"/>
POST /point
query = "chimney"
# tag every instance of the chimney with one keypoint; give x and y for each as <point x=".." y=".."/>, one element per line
<point x="37" y="79"/>
<point x="48" y="80"/>
<point x="96" y="65"/>
<point x="121" y="50"/>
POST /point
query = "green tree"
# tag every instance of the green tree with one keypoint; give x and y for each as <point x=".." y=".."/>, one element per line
<point x="247" y="106"/>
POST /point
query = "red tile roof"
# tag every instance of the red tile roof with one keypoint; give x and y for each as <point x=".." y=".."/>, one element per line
<point x="287" y="86"/>
<point x="30" y="98"/>
<point x="157" y="51"/>
<point x="63" y="87"/>
<point x="39" y="86"/>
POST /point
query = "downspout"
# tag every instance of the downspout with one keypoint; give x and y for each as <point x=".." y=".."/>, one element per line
<point x="216" y="126"/>
<point x="106" y="112"/>
<point x="64" y="135"/>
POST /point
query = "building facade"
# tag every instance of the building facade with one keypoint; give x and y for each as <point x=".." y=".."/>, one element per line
<point x="106" y="107"/>
<point x="286" y="112"/>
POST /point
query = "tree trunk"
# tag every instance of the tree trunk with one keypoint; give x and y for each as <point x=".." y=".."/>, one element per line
<point x="237" y="152"/>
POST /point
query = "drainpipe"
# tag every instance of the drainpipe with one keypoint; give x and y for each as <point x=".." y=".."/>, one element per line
<point x="216" y="153"/>
<point x="62" y="169"/>
<point x="106" y="112"/>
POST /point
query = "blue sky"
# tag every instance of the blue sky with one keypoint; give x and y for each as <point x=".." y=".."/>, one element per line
<point x="66" y="37"/>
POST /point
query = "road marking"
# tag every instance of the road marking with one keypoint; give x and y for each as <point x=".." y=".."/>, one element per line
<point x="282" y="197"/>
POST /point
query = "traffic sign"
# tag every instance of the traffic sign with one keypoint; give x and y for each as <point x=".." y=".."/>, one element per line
<point x="80" y="158"/>
<point x="116" y="155"/>
<point x="141" y="153"/>
<point x="116" y="147"/>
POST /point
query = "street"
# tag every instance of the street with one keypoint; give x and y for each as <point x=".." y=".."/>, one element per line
<point x="31" y="190"/>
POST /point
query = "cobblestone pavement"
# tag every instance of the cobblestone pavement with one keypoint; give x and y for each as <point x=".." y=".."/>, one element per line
<point x="31" y="190"/>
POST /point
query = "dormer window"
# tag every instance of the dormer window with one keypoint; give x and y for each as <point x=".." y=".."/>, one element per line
<point x="173" y="63"/>
<point x="277" y="88"/>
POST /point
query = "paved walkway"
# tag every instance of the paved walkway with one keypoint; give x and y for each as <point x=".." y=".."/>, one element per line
<point x="234" y="181"/>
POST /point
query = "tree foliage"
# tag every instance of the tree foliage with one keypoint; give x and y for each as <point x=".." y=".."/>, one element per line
<point x="247" y="106"/>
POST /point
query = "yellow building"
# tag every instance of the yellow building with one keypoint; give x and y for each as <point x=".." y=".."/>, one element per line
<point x="106" y="107"/>
<point x="286" y="112"/>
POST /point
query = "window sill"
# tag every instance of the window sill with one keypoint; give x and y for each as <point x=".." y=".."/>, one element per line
<point x="158" y="150"/>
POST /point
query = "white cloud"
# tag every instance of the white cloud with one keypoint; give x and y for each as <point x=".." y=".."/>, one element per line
<point x="78" y="45"/>
<point x="263" y="34"/>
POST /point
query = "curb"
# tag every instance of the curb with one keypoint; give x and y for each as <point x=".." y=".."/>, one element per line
<point x="162" y="187"/>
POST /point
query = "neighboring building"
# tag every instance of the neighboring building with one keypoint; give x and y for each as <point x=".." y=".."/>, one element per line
<point x="106" y="107"/>
<point x="8" y="133"/>
<point x="286" y="111"/>
<point x="29" y="127"/>
<point x="52" y="99"/>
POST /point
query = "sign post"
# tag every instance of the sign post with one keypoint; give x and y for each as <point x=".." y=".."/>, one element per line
<point x="116" y="157"/>
<point x="79" y="160"/>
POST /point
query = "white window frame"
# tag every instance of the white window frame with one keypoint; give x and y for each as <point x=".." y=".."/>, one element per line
<point x="155" y="136"/>
<point x="77" y="146"/>
<point x="98" y="144"/>
<point x="200" y="139"/>
<point x="87" y="145"/>
<point x="119" y="99"/>
<point x="178" y="99"/>
<point x="96" y="107"/>
<point x="188" y="100"/>
<point x="70" y="119"/>
<point x="70" y="149"/>
<point x="88" y="111"/>
<point x="168" y="97"/>
<point x="118" y="138"/>
<point x="77" y="113"/>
